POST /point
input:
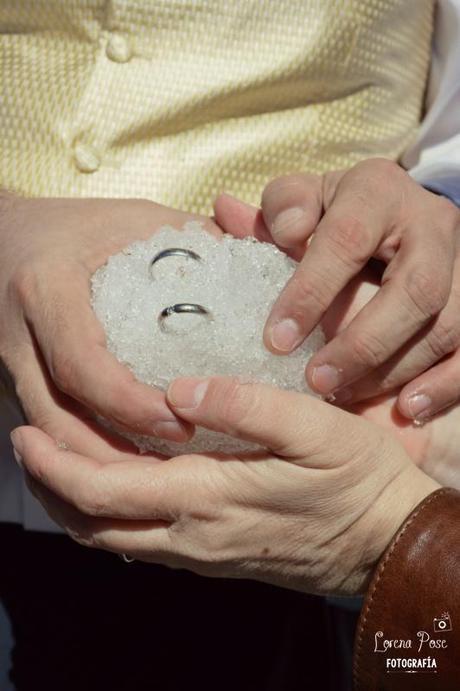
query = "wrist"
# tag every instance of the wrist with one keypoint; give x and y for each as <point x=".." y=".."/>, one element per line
<point x="393" y="507"/>
<point x="383" y="520"/>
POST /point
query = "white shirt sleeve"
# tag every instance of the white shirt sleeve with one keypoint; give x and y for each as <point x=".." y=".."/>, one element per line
<point x="434" y="159"/>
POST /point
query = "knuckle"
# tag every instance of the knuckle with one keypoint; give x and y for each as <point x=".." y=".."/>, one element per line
<point x="350" y="239"/>
<point x="64" y="372"/>
<point x="212" y="552"/>
<point x="383" y="168"/>
<point x="93" y="502"/>
<point x="37" y="412"/>
<point x="444" y="338"/>
<point x="241" y="402"/>
<point x="199" y="536"/>
<point x="211" y="545"/>
<point x="425" y="292"/>
<point x="126" y="408"/>
<point x="307" y="291"/>
<point x="367" y="350"/>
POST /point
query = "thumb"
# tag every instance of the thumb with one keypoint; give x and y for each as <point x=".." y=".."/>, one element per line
<point x="239" y="218"/>
<point x="292" y="206"/>
<point x="288" y="423"/>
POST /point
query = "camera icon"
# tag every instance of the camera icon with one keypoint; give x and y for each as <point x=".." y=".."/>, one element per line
<point x="443" y="623"/>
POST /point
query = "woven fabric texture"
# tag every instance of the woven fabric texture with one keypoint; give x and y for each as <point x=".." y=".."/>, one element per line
<point x="177" y="100"/>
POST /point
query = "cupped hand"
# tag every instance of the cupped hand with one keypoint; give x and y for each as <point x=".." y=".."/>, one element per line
<point x="334" y="225"/>
<point x="314" y="512"/>
<point x="50" y="340"/>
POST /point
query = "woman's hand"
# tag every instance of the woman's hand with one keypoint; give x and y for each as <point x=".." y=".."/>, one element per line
<point x="50" y="340"/>
<point x="334" y="224"/>
<point x="313" y="513"/>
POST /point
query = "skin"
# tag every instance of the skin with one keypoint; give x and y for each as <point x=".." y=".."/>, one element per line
<point x="313" y="512"/>
<point x="51" y="344"/>
<point x="287" y="517"/>
<point x="408" y="336"/>
<point x="434" y="445"/>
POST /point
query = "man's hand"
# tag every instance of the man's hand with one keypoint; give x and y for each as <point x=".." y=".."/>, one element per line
<point x="334" y="224"/>
<point x="434" y="445"/>
<point x="50" y="340"/>
<point x="313" y="513"/>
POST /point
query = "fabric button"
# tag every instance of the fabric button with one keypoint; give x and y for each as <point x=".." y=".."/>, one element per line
<point x="119" y="48"/>
<point x="86" y="158"/>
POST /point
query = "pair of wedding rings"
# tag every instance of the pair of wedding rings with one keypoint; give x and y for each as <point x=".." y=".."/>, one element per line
<point x="181" y="307"/>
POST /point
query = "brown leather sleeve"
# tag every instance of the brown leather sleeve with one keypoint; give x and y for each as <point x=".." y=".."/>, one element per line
<point x="408" y="634"/>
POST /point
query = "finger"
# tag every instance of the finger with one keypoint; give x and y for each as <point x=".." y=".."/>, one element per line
<point x="349" y="233"/>
<point x="292" y="206"/>
<point x="438" y="339"/>
<point x="349" y="302"/>
<point x="68" y="422"/>
<point x="288" y="423"/>
<point x="417" y="292"/>
<point x="136" y="538"/>
<point x="135" y="489"/>
<point x="73" y="344"/>
<point x="242" y="220"/>
<point x="433" y="391"/>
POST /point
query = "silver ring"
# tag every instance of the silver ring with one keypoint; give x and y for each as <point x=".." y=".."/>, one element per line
<point x="182" y="308"/>
<point x="174" y="252"/>
<point x="126" y="558"/>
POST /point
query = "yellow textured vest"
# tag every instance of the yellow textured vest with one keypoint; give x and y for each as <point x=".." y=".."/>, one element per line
<point x="176" y="100"/>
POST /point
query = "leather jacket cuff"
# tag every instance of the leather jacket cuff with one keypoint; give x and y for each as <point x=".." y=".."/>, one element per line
<point x="408" y="634"/>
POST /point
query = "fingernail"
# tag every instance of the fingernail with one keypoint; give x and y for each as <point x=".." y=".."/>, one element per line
<point x="325" y="379"/>
<point x="167" y="429"/>
<point x="341" y="396"/>
<point x="310" y="239"/>
<point x="286" y="335"/>
<point x="18" y="458"/>
<point x="187" y="392"/>
<point x="17" y="447"/>
<point x="287" y="219"/>
<point x="419" y="405"/>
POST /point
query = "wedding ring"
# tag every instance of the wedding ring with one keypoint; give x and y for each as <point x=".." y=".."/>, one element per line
<point x="182" y="308"/>
<point x="174" y="252"/>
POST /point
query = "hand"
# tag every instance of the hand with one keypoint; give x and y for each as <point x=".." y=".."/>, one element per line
<point x="434" y="445"/>
<point x="372" y="210"/>
<point x="314" y="513"/>
<point x="50" y="340"/>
